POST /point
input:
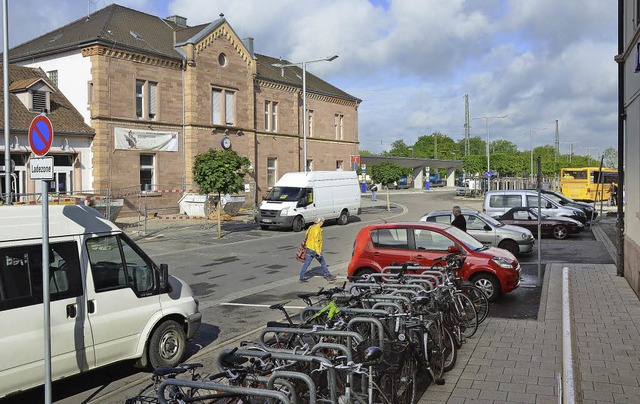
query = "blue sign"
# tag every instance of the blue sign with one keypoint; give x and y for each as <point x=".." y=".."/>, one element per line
<point x="488" y="174"/>
<point x="40" y="135"/>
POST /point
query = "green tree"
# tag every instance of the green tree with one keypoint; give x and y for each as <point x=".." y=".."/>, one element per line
<point x="503" y="146"/>
<point x="400" y="149"/>
<point x="386" y="173"/>
<point x="220" y="172"/>
<point x="610" y="157"/>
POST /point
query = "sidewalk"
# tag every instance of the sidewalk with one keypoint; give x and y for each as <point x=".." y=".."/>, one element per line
<point x="510" y="361"/>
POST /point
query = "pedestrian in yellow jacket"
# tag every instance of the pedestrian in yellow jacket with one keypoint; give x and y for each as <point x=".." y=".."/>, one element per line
<point x="313" y="245"/>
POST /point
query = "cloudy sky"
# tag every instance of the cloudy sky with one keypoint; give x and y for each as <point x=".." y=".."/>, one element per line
<point x="413" y="61"/>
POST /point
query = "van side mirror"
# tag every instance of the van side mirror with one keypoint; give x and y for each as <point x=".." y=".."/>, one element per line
<point x="549" y="205"/>
<point x="164" y="276"/>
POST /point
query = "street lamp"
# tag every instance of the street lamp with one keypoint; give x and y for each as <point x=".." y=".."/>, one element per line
<point x="531" y="147"/>
<point x="304" y="97"/>
<point x="486" y="118"/>
<point x="411" y="149"/>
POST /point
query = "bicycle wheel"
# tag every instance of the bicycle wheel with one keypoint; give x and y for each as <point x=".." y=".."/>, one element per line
<point x="479" y="300"/>
<point x="407" y="389"/>
<point x="450" y="351"/>
<point x="466" y="314"/>
<point x="434" y="346"/>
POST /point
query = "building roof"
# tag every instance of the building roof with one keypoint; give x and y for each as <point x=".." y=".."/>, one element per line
<point x="63" y="116"/>
<point x="124" y="28"/>
<point x="292" y="75"/>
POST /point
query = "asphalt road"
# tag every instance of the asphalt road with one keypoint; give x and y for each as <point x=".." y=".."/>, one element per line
<point x="237" y="277"/>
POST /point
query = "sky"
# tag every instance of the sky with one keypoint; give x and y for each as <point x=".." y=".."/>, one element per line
<point x="411" y="62"/>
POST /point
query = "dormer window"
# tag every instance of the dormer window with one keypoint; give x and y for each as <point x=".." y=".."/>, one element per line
<point x="34" y="93"/>
<point x="39" y="99"/>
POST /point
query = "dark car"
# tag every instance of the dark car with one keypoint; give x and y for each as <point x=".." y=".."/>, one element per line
<point x="494" y="270"/>
<point x="556" y="226"/>
<point x="563" y="200"/>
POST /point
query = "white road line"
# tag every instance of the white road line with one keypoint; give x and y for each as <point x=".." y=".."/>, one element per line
<point x="259" y="305"/>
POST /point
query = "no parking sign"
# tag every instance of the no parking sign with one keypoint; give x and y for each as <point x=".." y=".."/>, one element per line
<point x="40" y="135"/>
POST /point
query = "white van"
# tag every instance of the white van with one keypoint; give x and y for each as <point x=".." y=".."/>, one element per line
<point x="497" y="203"/>
<point x="109" y="301"/>
<point x="300" y="198"/>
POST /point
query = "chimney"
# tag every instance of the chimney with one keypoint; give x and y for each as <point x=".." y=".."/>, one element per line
<point x="248" y="43"/>
<point x="178" y="20"/>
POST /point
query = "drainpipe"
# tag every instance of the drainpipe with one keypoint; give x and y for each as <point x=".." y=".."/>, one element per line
<point x="621" y="119"/>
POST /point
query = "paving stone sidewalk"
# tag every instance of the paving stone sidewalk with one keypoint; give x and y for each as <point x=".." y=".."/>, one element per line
<point x="520" y="361"/>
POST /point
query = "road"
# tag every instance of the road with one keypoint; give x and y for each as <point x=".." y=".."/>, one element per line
<point x="237" y="277"/>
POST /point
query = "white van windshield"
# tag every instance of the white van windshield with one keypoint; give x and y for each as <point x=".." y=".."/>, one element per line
<point x="284" y="194"/>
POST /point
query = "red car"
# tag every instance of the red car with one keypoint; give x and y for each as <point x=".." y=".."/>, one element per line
<point x="494" y="270"/>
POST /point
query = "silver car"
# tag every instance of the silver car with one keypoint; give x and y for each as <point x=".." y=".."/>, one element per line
<point x="515" y="239"/>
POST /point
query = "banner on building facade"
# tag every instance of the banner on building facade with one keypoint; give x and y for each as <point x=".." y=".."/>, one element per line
<point x="135" y="139"/>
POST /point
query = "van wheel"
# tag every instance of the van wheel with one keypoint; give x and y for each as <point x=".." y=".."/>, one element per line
<point x="298" y="224"/>
<point x="510" y="246"/>
<point x="167" y="345"/>
<point x="489" y="285"/>
<point x="560" y="232"/>
<point x="343" y="218"/>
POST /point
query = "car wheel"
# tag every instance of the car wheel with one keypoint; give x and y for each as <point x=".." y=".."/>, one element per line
<point x="510" y="246"/>
<point x="344" y="217"/>
<point x="298" y="224"/>
<point x="489" y="285"/>
<point x="560" y="232"/>
<point x="167" y="345"/>
<point x="364" y="271"/>
<point x="264" y="227"/>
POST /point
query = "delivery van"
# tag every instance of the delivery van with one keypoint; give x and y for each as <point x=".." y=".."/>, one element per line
<point x="108" y="300"/>
<point x="300" y="198"/>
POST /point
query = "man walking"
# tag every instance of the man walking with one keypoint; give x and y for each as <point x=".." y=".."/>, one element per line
<point x="459" y="221"/>
<point x="314" y="250"/>
<point x="374" y="189"/>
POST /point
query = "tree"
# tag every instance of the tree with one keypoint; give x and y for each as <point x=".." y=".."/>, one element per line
<point x="220" y="172"/>
<point x="610" y="157"/>
<point x="400" y="149"/>
<point x="503" y="146"/>
<point x="386" y="173"/>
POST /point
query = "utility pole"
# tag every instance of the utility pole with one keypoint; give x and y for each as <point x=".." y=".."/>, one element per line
<point x="467" y="128"/>
<point x="557" y="144"/>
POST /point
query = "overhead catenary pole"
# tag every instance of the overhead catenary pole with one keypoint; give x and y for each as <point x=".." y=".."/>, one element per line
<point x="5" y="78"/>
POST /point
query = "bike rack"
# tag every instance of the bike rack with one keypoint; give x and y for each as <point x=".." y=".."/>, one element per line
<point x="250" y="391"/>
<point x="349" y="335"/>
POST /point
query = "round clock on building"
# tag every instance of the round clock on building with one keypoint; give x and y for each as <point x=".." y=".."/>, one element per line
<point x="225" y="142"/>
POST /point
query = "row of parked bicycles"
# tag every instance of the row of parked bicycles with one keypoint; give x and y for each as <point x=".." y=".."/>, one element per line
<point x="377" y="339"/>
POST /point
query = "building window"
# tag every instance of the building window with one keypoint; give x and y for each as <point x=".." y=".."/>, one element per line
<point x="309" y="165"/>
<point x="139" y="98"/>
<point x="272" y="171"/>
<point x="147" y="172"/>
<point x="39" y="101"/>
<point x="310" y="128"/>
<point x="90" y="92"/>
<point x="337" y="123"/>
<point x="222" y="59"/>
<point x="53" y="76"/>
<point x="223" y="110"/>
<point x="339" y="164"/>
<point x="146" y="91"/>
<point x="153" y="97"/>
<point x="270" y="116"/>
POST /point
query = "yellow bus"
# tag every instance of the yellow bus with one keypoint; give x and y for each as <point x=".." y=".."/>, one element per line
<point x="582" y="183"/>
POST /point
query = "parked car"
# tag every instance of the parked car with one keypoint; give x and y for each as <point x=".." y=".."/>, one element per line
<point x="489" y="231"/>
<point x="377" y="246"/>
<point x="563" y="200"/>
<point x="497" y="203"/>
<point x="558" y="227"/>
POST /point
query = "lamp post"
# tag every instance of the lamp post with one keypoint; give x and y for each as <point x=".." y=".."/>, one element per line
<point x="304" y="97"/>
<point x="486" y="118"/>
<point x="411" y="149"/>
<point x="531" y="147"/>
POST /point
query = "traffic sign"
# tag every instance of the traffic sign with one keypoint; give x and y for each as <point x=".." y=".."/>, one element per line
<point x="488" y="174"/>
<point x="41" y="168"/>
<point x="40" y="135"/>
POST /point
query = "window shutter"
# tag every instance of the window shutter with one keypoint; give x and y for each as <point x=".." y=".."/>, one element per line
<point x="153" y="90"/>
<point x="229" y="107"/>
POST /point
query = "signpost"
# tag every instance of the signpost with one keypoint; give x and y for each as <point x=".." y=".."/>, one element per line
<point x="40" y="139"/>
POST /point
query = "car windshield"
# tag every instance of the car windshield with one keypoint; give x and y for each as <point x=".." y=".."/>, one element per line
<point x="465" y="238"/>
<point x="284" y="194"/>
<point x="493" y="222"/>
